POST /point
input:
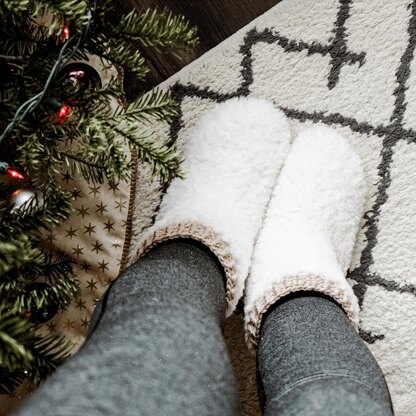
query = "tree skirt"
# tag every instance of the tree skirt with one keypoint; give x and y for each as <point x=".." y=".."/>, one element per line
<point x="344" y="63"/>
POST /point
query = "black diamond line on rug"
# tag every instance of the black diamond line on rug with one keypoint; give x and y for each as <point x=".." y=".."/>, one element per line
<point x="392" y="133"/>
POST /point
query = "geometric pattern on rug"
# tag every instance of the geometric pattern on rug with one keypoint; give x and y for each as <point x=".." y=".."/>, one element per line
<point x="364" y="86"/>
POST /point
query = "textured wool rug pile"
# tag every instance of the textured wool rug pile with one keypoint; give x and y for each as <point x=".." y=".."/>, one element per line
<point x="348" y="64"/>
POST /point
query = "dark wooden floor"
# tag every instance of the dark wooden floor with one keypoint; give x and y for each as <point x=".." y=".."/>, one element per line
<point x="215" y="19"/>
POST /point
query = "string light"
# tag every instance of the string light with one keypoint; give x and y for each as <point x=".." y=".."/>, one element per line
<point x="65" y="33"/>
<point x="15" y="174"/>
<point x="64" y="112"/>
<point x="63" y="57"/>
<point x="5" y="169"/>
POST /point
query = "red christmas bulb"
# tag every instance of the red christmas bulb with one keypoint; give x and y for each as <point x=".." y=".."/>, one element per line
<point x="15" y="174"/>
<point x="5" y="169"/>
<point x="64" y="112"/>
<point x="65" y="33"/>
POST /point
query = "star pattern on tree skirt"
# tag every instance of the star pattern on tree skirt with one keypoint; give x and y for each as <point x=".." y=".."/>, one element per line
<point x="83" y="211"/>
<point x="103" y="266"/>
<point x="101" y="208"/>
<point x="121" y="205"/>
<point x="90" y="229"/>
<point x="81" y="303"/>
<point x="51" y="237"/>
<point x="92" y="284"/>
<point x="109" y="226"/>
<point x="113" y="187"/>
<point x="77" y="251"/>
<point x="63" y="309"/>
<point x="76" y="194"/>
<point x="71" y="232"/>
<point x="51" y="326"/>
<point x="85" y="266"/>
<point x="108" y="281"/>
<point x="69" y="324"/>
<point x="85" y="322"/>
<point x="97" y="246"/>
<point x="94" y="238"/>
<point x="94" y="189"/>
<point x="67" y="177"/>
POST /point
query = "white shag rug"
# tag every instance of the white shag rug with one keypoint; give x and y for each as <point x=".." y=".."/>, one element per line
<point x="348" y="64"/>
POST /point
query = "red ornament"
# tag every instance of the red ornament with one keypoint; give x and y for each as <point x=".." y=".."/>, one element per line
<point x="64" y="112"/>
<point x="15" y="174"/>
<point x="65" y="33"/>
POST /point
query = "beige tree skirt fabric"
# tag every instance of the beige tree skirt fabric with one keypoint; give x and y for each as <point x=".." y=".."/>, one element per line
<point x="348" y="64"/>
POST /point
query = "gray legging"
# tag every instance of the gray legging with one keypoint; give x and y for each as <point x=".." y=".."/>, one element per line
<point x="156" y="348"/>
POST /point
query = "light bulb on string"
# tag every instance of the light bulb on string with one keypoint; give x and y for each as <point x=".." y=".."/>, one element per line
<point x="15" y="174"/>
<point x="65" y="33"/>
<point x="63" y="113"/>
<point x="6" y="169"/>
<point x="61" y="110"/>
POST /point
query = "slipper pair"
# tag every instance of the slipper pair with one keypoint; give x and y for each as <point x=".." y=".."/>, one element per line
<point x="280" y="217"/>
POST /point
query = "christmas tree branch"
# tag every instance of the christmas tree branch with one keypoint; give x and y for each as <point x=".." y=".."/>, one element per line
<point x="16" y="250"/>
<point x="10" y="380"/>
<point x="14" y="334"/>
<point x="93" y="170"/>
<point x="156" y="28"/>
<point x="164" y="160"/>
<point x="37" y="40"/>
<point x="15" y="6"/>
<point x="157" y="104"/>
<point x="75" y="11"/>
<point x="33" y="298"/>
<point x="122" y="55"/>
<point x="48" y="353"/>
<point x="35" y="216"/>
<point x="55" y="266"/>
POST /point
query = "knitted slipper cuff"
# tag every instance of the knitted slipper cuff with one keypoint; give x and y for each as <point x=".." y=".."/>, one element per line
<point x="290" y="284"/>
<point x="204" y="235"/>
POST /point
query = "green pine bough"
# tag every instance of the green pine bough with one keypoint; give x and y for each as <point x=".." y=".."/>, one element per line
<point x="31" y="55"/>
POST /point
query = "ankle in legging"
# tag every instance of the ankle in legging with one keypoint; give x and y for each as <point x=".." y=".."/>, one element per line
<point x="311" y="362"/>
<point x="156" y="348"/>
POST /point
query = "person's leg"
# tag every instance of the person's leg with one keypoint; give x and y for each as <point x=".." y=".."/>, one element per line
<point x="312" y="362"/>
<point x="157" y="348"/>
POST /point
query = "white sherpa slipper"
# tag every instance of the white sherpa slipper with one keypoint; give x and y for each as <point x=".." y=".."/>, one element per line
<point x="231" y="163"/>
<point x="308" y="234"/>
